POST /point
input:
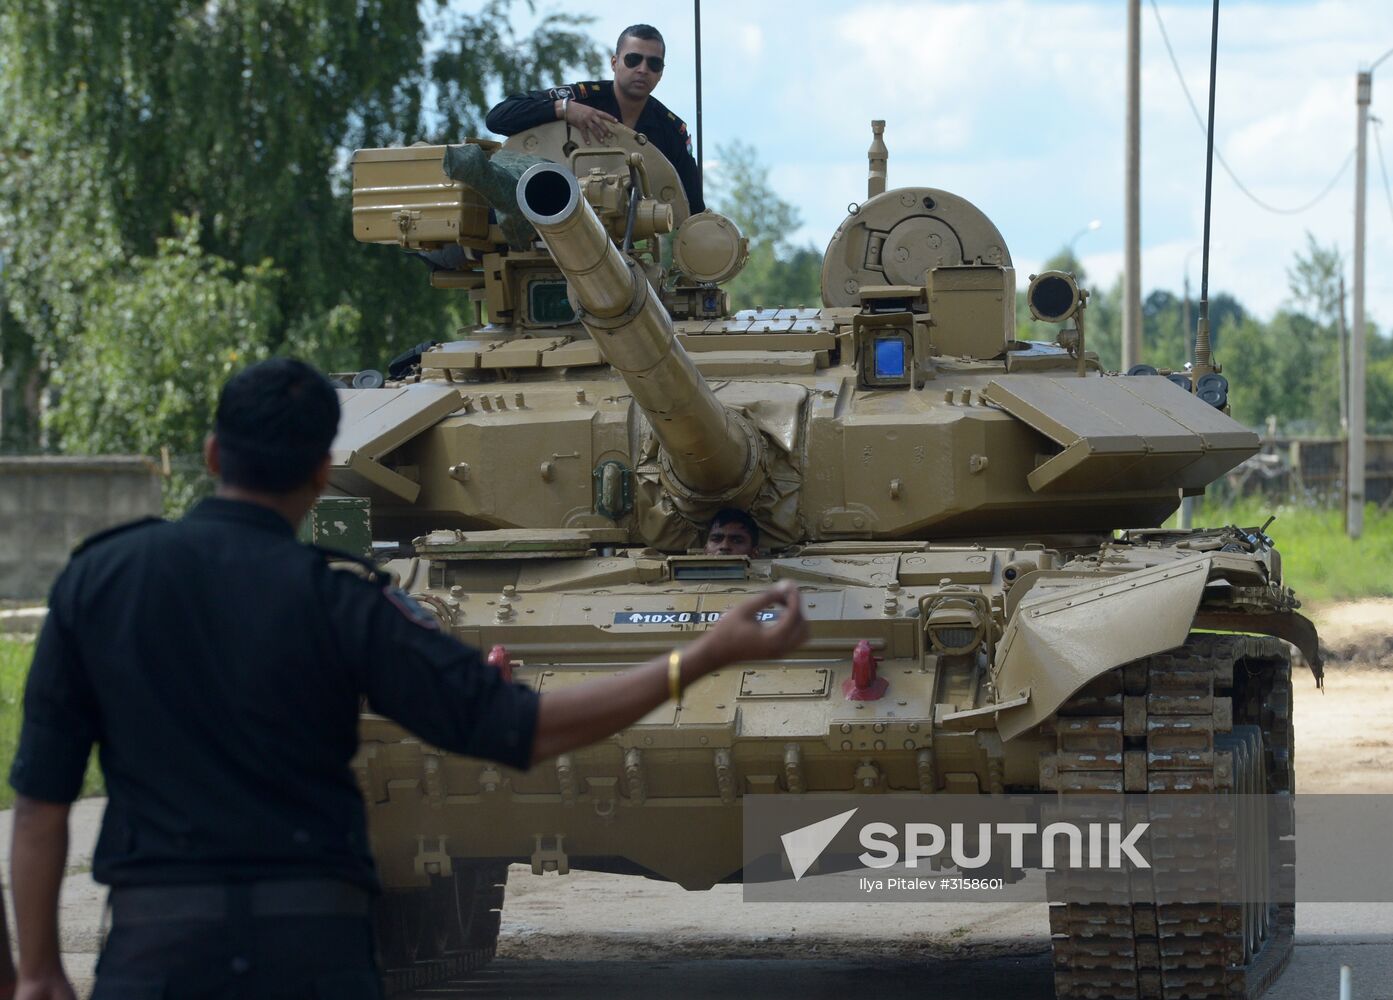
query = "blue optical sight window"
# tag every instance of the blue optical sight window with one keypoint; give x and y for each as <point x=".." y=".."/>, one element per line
<point x="889" y="359"/>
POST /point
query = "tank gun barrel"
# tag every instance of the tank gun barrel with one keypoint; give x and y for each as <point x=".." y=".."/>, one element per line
<point x="709" y="450"/>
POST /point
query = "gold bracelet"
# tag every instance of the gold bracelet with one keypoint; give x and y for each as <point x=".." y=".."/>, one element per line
<point x="674" y="676"/>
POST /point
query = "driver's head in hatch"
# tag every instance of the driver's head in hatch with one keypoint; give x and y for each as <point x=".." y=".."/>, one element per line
<point x="732" y="533"/>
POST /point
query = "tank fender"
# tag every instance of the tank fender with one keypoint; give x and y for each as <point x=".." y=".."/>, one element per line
<point x="1061" y="638"/>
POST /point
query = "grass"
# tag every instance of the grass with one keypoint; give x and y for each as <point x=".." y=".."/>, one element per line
<point x="15" y="655"/>
<point x="1319" y="561"/>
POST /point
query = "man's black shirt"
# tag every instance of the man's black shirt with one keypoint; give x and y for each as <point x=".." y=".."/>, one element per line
<point x="218" y="664"/>
<point x="663" y="128"/>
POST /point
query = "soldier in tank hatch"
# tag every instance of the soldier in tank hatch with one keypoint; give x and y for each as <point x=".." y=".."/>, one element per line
<point x="732" y="533"/>
<point x="591" y="107"/>
<point x="219" y="666"/>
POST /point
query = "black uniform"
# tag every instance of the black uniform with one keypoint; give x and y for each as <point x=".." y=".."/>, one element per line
<point x="218" y="664"/>
<point x="663" y="128"/>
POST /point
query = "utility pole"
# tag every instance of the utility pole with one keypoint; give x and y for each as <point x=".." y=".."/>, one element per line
<point x="1354" y="521"/>
<point x="1344" y="406"/>
<point x="1363" y="90"/>
<point x="1187" y="504"/>
<point x="1131" y="271"/>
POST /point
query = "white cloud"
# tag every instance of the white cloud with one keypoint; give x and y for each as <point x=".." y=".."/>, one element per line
<point x="750" y="39"/>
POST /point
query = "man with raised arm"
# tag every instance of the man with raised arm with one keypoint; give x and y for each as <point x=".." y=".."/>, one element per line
<point x="218" y="664"/>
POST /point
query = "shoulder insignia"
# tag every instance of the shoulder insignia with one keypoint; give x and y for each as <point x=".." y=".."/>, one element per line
<point x="365" y="568"/>
<point x="410" y="609"/>
<point x="556" y="93"/>
<point x="583" y="89"/>
<point x="112" y="532"/>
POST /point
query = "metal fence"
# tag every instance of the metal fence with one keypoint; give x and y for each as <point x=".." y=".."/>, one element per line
<point x="1313" y="469"/>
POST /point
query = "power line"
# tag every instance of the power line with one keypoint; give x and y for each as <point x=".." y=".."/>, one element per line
<point x="1378" y="145"/>
<point x="1175" y="63"/>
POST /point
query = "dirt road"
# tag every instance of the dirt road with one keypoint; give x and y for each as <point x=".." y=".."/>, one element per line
<point x="1344" y="736"/>
<point x="555" y="928"/>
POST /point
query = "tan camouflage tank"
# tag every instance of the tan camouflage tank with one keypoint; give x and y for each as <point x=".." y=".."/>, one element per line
<point x="978" y="514"/>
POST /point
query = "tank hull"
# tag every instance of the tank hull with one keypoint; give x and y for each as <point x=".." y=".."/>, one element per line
<point x="933" y="721"/>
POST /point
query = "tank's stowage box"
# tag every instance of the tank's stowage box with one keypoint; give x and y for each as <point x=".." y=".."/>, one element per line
<point x="401" y="196"/>
<point x="973" y="521"/>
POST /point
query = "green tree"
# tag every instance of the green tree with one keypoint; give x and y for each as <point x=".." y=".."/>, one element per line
<point x="1289" y="367"/>
<point x="1272" y="371"/>
<point x="1313" y="279"/>
<point x="778" y="273"/>
<point x="1065" y="260"/>
<point x="116" y="120"/>
<point x="159" y="339"/>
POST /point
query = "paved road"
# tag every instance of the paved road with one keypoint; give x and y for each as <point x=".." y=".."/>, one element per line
<point x="1313" y="974"/>
<point x="654" y="939"/>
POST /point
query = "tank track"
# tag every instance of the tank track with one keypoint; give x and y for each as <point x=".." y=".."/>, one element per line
<point x="427" y="937"/>
<point x="1213" y="715"/>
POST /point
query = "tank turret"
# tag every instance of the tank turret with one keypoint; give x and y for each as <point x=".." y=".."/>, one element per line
<point x="710" y="453"/>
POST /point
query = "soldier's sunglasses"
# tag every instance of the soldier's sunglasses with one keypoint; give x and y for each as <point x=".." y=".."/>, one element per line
<point x="632" y="59"/>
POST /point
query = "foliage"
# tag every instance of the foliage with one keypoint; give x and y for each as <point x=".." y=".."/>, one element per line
<point x="160" y="337"/>
<point x="164" y="334"/>
<point x="1314" y="282"/>
<point x="483" y="50"/>
<point x="1292" y="379"/>
<point x="740" y="185"/>
<point x="118" y="120"/>
<point x="777" y="273"/>
<point x="773" y="280"/>
<point x="15" y="655"/>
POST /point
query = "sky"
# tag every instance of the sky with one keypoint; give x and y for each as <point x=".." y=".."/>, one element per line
<point x="1019" y="106"/>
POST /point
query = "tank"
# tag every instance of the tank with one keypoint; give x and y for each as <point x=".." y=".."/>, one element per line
<point x="973" y="520"/>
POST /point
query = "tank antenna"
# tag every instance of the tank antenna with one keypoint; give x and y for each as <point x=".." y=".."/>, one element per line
<point x="879" y="158"/>
<point x="1201" y="362"/>
<point x="696" y="16"/>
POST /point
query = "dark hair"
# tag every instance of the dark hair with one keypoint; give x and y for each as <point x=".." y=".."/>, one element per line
<point x="734" y="515"/>
<point x="643" y="32"/>
<point x="275" y="422"/>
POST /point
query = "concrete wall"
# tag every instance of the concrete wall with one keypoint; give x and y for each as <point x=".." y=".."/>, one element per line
<point x="48" y="504"/>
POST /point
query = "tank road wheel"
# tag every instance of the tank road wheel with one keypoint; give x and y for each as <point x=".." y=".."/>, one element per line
<point x="426" y="936"/>
<point x="1213" y="715"/>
